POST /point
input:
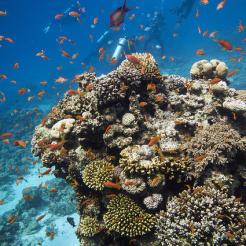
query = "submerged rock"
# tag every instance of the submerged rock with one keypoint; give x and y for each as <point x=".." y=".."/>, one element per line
<point x="137" y="141"/>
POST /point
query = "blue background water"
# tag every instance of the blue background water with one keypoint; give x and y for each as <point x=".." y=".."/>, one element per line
<point x="25" y="22"/>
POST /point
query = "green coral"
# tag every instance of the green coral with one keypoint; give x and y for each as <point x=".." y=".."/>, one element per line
<point x="127" y="218"/>
<point x="96" y="173"/>
<point x="88" y="226"/>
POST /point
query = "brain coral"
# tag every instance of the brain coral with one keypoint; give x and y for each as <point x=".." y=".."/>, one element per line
<point x="127" y="218"/>
<point x="96" y="173"/>
<point x="202" y="215"/>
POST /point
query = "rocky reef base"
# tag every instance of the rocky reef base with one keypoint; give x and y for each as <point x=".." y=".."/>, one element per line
<point x="153" y="159"/>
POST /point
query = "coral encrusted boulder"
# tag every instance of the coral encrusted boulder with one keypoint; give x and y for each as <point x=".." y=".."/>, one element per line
<point x="153" y="159"/>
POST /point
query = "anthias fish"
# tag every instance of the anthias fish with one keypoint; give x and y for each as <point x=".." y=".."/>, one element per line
<point x="118" y="16"/>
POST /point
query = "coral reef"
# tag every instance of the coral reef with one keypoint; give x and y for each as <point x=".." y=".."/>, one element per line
<point x="200" y="216"/>
<point x="132" y="141"/>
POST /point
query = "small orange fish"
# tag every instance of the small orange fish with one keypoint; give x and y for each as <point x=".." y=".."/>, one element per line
<point x="16" y="65"/>
<point x="212" y="34"/>
<point x="12" y="219"/>
<point x="43" y="82"/>
<point x="61" y="80"/>
<point x="241" y="27"/>
<point x="200" y="52"/>
<point x="74" y="14"/>
<point x="205" y="33"/>
<point x="3" y="13"/>
<point x="214" y="81"/>
<point x="112" y="185"/>
<point x="3" y="76"/>
<point x="142" y="104"/>
<point x="141" y="37"/>
<point x="40" y="217"/>
<point x="199" y="30"/>
<point x="95" y="20"/>
<point x="6" y="135"/>
<point x="75" y="55"/>
<point x="47" y="171"/>
<point x="41" y="93"/>
<point x="21" y="91"/>
<point x="59" y="68"/>
<point x="238" y="48"/>
<point x="20" y="143"/>
<point x="154" y="140"/>
<point x="151" y="87"/>
<point x="56" y="146"/>
<point x="133" y="59"/>
<point x="53" y="190"/>
<point x="232" y="73"/>
<point x="197" y="13"/>
<point x="204" y="2"/>
<point x="221" y="5"/>
<point x="91" y="69"/>
<point x="10" y="40"/>
<point x="65" y="54"/>
<point x="225" y="44"/>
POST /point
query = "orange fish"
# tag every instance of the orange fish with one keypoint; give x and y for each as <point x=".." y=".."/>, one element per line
<point x="204" y="2"/>
<point x="151" y="87"/>
<point x="112" y="185"/>
<point x="200" y="52"/>
<point x="20" y="143"/>
<point x="16" y="65"/>
<point x="221" y="5"/>
<point x="74" y="14"/>
<point x="56" y="146"/>
<point x="232" y="73"/>
<point x="12" y="219"/>
<point x="225" y="44"/>
<point x="75" y="55"/>
<point x="1" y="201"/>
<point x="65" y="54"/>
<point x="241" y="27"/>
<point x="205" y="33"/>
<point x="141" y="37"/>
<point x="59" y="68"/>
<point x="214" y="81"/>
<point x="212" y="34"/>
<point x="41" y="93"/>
<point x="47" y="171"/>
<point x="133" y="59"/>
<point x="95" y="20"/>
<point x="3" y="76"/>
<point x="43" y="82"/>
<point x="3" y="13"/>
<point x="53" y="190"/>
<point x="21" y="91"/>
<point x="6" y="135"/>
<point x="40" y="217"/>
<point x="40" y="53"/>
<point x="142" y="104"/>
<point x="10" y="40"/>
<point x="238" y="48"/>
<point x="197" y="13"/>
<point x="199" y="30"/>
<point x="58" y="16"/>
<point x="154" y="140"/>
<point x="91" y="69"/>
<point x="61" y="80"/>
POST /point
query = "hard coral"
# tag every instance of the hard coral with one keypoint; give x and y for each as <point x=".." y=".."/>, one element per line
<point x="127" y="218"/>
<point x="96" y="173"/>
<point x="88" y="227"/>
<point x="202" y="216"/>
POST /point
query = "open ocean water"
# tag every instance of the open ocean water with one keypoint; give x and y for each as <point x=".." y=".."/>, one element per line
<point x="44" y="44"/>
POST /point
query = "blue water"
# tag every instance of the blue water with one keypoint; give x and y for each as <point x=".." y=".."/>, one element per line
<point x="25" y="23"/>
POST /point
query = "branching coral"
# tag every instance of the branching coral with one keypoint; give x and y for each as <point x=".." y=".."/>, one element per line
<point x="127" y="218"/>
<point x="96" y="173"/>
<point x="200" y="216"/>
<point x="88" y="227"/>
<point x="217" y="144"/>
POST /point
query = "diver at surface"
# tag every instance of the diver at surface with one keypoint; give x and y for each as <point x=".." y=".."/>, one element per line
<point x="66" y="17"/>
<point x="183" y="10"/>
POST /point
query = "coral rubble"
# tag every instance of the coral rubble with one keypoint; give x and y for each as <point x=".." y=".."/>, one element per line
<point x="153" y="159"/>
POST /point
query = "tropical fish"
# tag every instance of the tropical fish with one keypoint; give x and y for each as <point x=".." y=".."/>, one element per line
<point x="200" y="52"/>
<point x="241" y="27"/>
<point x="151" y="86"/>
<point x="1" y="201"/>
<point x="197" y="13"/>
<point x="21" y="91"/>
<point x="20" y="143"/>
<point x="118" y="16"/>
<point x="47" y="171"/>
<point x="232" y="73"/>
<point x="95" y="20"/>
<point x="53" y="190"/>
<point x="212" y="34"/>
<point x="225" y="44"/>
<point x="74" y="14"/>
<point x="112" y="185"/>
<point x="221" y="5"/>
<point x="12" y="219"/>
<point x="133" y="59"/>
<point x="61" y="80"/>
<point x="70" y="220"/>
<point x="40" y="217"/>
<point x="153" y="140"/>
<point x="3" y="13"/>
<point x="204" y="2"/>
<point x="10" y="40"/>
<point x="58" y="16"/>
<point x="3" y="76"/>
<point x="16" y="65"/>
<point x="65" y="54"/>
<point x="6" y="135"/>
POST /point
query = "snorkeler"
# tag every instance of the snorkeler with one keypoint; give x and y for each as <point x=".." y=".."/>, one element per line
<point x="70" y="15"/>
<point x="184" y="10"/>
